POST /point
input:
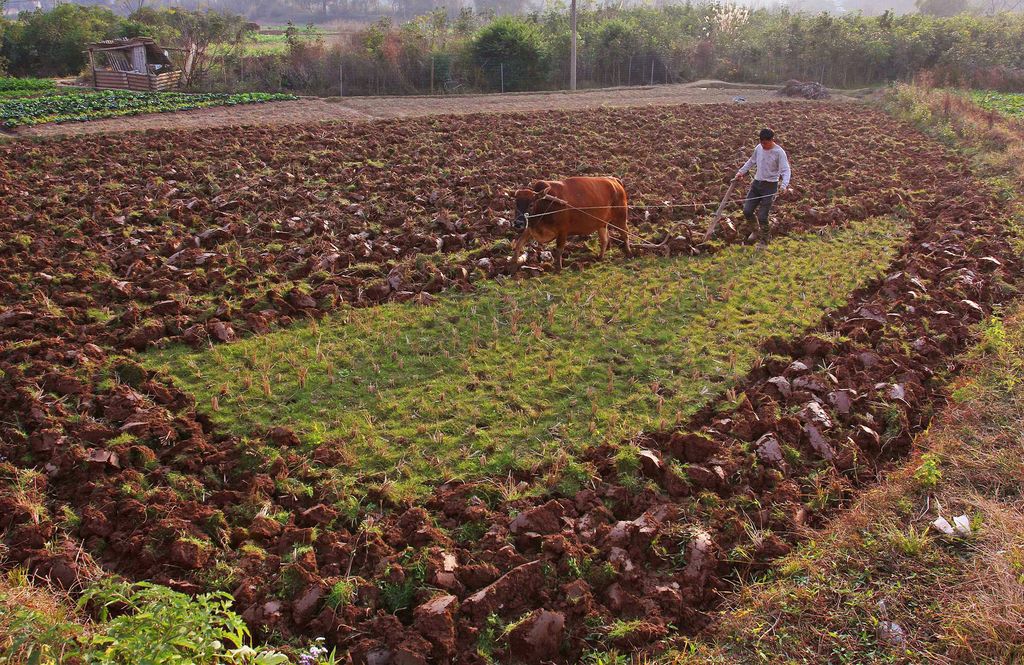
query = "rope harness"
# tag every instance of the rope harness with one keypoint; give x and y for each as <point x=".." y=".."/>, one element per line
<point x="550" y="197"/>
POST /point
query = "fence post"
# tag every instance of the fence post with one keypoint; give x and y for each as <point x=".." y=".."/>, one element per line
<point x="652" y="70"/>
<point x="431" y="73"/>
<point x="341" y="78"/>
<point x="572" y="48"/>
<point x="502" y="68"/>
<point x="629" y="75"/>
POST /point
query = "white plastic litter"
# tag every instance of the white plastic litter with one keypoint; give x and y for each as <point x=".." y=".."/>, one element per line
<point x="941" y="525"/>
<point x="962" y="524"/>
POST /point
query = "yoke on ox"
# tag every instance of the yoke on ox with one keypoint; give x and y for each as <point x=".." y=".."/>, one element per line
<point x="556" y="209"/>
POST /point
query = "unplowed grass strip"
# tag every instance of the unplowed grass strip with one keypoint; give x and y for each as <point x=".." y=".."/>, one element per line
<point x="515" y="373"/>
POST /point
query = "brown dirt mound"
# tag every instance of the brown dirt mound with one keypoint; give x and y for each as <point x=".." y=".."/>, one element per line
<point x="804" y="90"/>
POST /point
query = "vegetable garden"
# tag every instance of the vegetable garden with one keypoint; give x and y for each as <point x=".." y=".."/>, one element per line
<point x="1008" y="103"/>
<point x="301" y="368"/>
<point x="93" y="105"/>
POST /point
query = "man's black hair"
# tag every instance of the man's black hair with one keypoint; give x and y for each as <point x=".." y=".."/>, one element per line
<point x="766" y="134"/>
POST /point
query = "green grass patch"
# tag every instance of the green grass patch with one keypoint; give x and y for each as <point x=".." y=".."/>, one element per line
<point x="518" y="372"/>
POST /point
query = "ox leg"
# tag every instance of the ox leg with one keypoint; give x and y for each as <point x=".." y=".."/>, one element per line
<point x="624" y="234"/>
<point x="517" y="248"/>
<point x="559" y="246"/>
<point x="602" y="237"/>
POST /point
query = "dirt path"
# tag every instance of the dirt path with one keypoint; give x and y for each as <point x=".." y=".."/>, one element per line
<point x="316" y="109"/>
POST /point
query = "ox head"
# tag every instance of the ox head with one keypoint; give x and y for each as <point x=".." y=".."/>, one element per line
<point x="525" y="200"/>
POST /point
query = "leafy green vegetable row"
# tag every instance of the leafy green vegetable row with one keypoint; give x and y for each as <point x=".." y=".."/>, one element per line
<point x="116" y="103"/>
<point x="7" y="84"/>
<point x="1009" y="103"/>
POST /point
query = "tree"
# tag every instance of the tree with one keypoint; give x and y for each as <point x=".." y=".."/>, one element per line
<point x="132" y="6"/>
<point x="941" y="7"/>
<point x="510" y="47"/>
<point x="612" y="46"/>
<point x="200" y="30"/>
<point x="51" y="43"/>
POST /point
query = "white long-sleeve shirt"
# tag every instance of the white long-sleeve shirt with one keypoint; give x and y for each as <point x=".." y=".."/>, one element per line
<point x="771" y="165"/>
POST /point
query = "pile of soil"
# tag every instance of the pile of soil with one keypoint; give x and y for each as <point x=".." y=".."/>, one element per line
<point x="804" y="89"/>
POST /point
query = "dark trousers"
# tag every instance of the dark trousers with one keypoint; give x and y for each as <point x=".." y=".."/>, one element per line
<point x="759" y="201"/>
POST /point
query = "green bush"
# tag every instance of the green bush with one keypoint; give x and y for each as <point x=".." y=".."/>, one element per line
<point x="510" y="47"/>
<point x="51" y="43"/>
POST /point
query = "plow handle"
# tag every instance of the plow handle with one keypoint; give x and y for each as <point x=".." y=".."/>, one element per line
<point x="718" y="213"/>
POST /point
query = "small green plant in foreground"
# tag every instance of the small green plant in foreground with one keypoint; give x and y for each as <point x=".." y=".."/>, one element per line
<point x="912" y="542"/>
<point x="620" y="629"/>
<point x="928" y="474"/>
<point x="993" y="336"/>
<point x="153" y="625"/>
<point x="341" y="594"/>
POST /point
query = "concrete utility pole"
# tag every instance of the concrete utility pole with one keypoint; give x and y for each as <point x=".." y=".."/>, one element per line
<point x="572" y="57"/>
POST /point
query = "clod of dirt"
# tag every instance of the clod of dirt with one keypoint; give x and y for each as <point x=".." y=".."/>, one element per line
<point x="538" y="637"/>
<point x="306" y="604"/>
<point x="782" y="385"/>
<point x="650" y="463"/>
<point x="318" y="515"/>
<point x="107" y="457"/>
<point x="435" y="621"/>
<point x="544" y="520"/>
<point x="264" y="527"/>
<point x="811" y="383"/>
<point x="701" y="558"/>
<point x="813" y="413"/>
<point x="769" y="450"/>
<point x="379" y="657"/>
<point x="693" y="448"/>
<point x="703" y="477"/>
<point x="284" y="437"/>
<point x="819" y="443"/>
<point x="644" y="633"/>
<point x="517" y="589"/>
<point x="222" y="332"/>
<point x="842" y="401"/>
<point x="189" y="554"/>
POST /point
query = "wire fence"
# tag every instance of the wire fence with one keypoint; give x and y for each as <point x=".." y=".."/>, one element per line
<point x="443" y="75"/>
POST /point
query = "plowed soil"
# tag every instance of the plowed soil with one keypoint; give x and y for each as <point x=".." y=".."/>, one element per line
<point x="353" y="109"/>
<point x="113" y="244"/>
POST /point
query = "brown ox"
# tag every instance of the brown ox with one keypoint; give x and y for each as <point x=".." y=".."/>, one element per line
<point x="556" y="209"/>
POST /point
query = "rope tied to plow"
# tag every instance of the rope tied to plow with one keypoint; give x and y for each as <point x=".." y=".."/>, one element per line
<point x="643" y="243"/>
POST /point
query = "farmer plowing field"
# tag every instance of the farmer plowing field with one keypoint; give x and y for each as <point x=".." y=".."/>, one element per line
<point x="771" y="178"/>
<point x="556" y="209"/>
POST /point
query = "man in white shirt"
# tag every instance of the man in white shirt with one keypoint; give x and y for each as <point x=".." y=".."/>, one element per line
<point x="771" y="178"/>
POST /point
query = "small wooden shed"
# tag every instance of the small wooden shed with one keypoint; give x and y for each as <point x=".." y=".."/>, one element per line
<point x="133" y="64"/>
